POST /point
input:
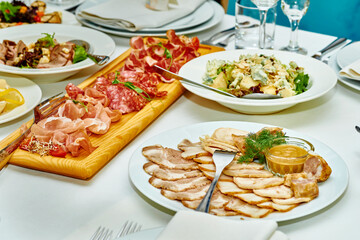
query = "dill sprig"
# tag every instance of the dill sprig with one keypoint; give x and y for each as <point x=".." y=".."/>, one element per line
<point x="257" y="144"/>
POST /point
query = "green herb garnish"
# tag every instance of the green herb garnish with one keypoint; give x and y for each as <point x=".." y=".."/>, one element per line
<point x="47" y="41"/>
<point x="257" y="144"/>
<point x="131" y="86"/>
<point x="8" y="10"/>
<point x="301" y="82"/>
<point x="167" y="53"/>
<point x="82" y="104"/>
<point x="80" y="54"/>
<point x="116" y="80"/>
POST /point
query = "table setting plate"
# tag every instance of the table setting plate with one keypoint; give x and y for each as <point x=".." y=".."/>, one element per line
<point x="66" y="5"/>
<point x="348" y="54"/>
<point x="322" y="80"/>
<point x="218" y="14"/>
<point x="202" y="14"/>
<point x="330" y="190"/>
<point x="100" y="43"/>
<point x="30" y="91"/>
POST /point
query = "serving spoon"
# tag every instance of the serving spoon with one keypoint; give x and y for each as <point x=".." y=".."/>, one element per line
<point x="166" y="72"/>
<point x="100" y="59"/>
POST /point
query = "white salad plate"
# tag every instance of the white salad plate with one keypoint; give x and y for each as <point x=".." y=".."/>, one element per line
<point x="348" y="54"/>
<point x="100" y="43"/>
<point x="30" y="91"/>
<point x="215" y="19"/>
<point x="354" y="84"/>
<point x="202" y="14"/>
<point x="322" y="80"/>
<point x="329" y="190"/>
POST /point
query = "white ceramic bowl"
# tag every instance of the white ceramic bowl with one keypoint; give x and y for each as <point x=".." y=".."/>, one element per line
<point x="99" y="42"/>
<point x="322" y="80"/>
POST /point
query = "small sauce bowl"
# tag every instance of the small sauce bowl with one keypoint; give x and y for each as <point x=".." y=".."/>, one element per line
<point x="288" y="157"/>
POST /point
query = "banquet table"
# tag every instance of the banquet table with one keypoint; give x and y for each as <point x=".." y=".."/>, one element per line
<point x="40" y="205"/>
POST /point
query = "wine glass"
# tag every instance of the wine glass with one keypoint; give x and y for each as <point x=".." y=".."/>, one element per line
<point x="263" y="6"/>
<point x="294" y="10"/>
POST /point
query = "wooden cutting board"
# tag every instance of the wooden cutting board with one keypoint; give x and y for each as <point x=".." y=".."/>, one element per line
<point x="120" y="134"/>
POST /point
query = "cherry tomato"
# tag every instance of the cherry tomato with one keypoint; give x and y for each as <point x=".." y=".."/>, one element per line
<point x="25" y="144"/>
<point x="7" y="11"/>
<point x="57" y="151"/>
<point x="19" y="23"/>
<point x="40" y="14"/>
<point x="37" y="19"/>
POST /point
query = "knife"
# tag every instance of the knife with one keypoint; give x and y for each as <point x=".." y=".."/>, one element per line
<point x="318" y="55"/>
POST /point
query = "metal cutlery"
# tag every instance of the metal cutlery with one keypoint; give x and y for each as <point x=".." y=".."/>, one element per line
<point x="103" y="233"/>
<point x="319" y="55"/>
<point x="357" y="128"/>
<point x="225" y="42"/>
<point x="210" y="41"/>
<point x="221" y="160"/>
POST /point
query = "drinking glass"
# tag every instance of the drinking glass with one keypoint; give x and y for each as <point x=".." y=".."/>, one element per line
<point x="263" y="6"/>
<point x="294" y="10"/>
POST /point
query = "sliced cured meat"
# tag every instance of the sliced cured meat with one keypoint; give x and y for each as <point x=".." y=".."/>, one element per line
<point x="192" y="150"/>
<point x="278" y="207"/>
<point x="78" y="140"/>
<point x="249" y="173"/>
<point x="305" y="188"/>
<point x="235" y="165"/>
<point x="203" y="159"/>
<point x="230" y="188"/>
<point x="292" y="200"/>
<point x="226" y="134"/>
<point x="246" y="209"/>
<point x="251" y="198"/>
<point x="73" y="90"/>
<point x="316" y="167"/>
<point x="207" y="167"/>
<point x="275" y="192"/>
<point x="223" y="212"/>
<point x="179" y="185"/>
<point x="257" y="183"/>
<point x="289" y="177"/>
<point x="191" y="194"/>
<point x="218" y="200"/>
<point x="168" y="158"/>
<point x="211" y="144"/>
<point x="71" y="110"/>
<point x="211" y="175"/>
<point x="170" y="174"/>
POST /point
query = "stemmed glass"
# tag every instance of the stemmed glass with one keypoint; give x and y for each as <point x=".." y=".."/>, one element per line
<point x="294" y="10"/>
<point x="263" y="6"/>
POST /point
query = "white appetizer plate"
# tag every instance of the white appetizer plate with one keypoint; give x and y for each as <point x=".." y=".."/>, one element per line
<point x="322" y="80"/>
<point x="330" y="190"/>
<point x="30" y="91"/>
<point x="100" y="44"/>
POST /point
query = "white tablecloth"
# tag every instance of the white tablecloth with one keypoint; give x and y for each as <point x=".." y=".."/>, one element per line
<point x="42" y="206"/>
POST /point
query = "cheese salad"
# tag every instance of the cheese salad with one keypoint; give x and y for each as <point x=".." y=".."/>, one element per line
<point x="256" y="74"/>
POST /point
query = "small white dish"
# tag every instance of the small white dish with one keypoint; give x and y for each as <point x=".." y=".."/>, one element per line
<point x="30" y="91"/>
<point x="348" y="54"/>
<point x="63" y="5"/>
<point x="101" y="44"/>
<point x="354" y="84"/>
<point x="330" y="190"/>
<point x="215" y="19"/>
<point x="322" y="80"/>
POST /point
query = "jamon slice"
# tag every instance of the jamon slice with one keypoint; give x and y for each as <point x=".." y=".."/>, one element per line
<point x="278" y="207"/>
<point x="168" y="158"/>
<point x="170" y="174"/>
<point x="316" y="167"/>
<point x="251" y="198"/>
<point x="258" y="183"/>
<point x="191" y="194"/>
<point x="192" y="150"/>
<point x="179" y="185"/>
<point x="246" y="209"/>
<point x="249" y="173"/>
<point x="230" y="188"/>
<point x="292" y="200"/>
<point x="275" y="192"/>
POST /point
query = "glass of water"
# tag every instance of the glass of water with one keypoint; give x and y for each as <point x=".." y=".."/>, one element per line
<point x="263" y="6"/>
<point x="294" y="10"/>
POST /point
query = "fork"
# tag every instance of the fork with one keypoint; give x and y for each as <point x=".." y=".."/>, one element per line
<point x="226" y="41"/>
<point x="43" y="110"/>
<point x="221" y="159"/>
<point x="102" y="233"/>
<point x="318" y="55"/>
<point x="127" y="228"/>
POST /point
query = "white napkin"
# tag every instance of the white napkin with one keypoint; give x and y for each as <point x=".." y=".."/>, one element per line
<point x="203" y="226"/>
<point x="351" y="71"/>
<point x="134" y="15"/>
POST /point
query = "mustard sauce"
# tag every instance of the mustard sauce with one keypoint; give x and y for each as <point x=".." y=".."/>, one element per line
<point x="286" y="158"/>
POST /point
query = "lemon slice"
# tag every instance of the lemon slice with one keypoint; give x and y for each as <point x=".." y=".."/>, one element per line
<point x="12" y="97"/>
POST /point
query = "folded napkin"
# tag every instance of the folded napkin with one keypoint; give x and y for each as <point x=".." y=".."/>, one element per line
<point x="203" y="226"/>
<point x="134" y="15"/>
<point x="351" y="71"/>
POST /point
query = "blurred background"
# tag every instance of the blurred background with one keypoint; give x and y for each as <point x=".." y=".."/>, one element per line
<point x="332" y="17"/>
